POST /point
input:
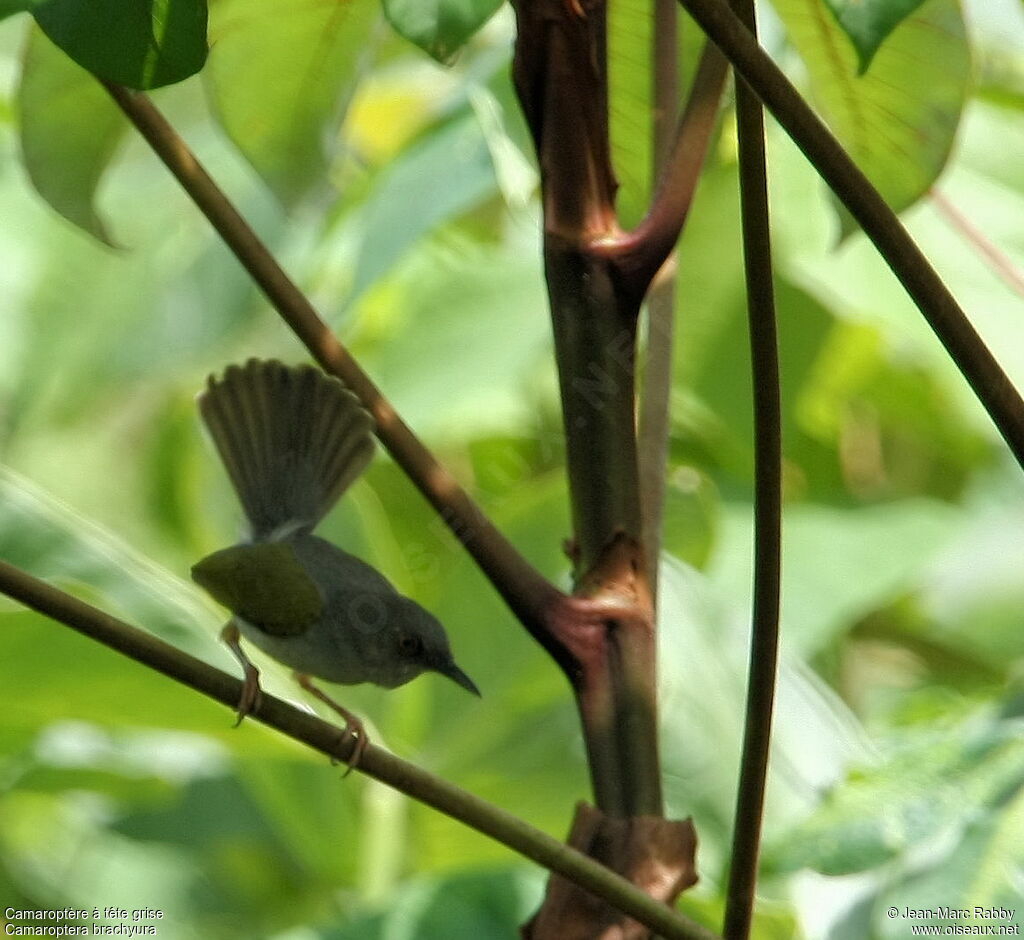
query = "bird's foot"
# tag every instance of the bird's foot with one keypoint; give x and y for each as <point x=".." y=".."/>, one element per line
<point x="353" y="724"/>
<point x="251" y="695"/>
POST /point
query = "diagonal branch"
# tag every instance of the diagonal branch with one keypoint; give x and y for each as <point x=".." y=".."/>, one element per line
<point x="990" y="383"/>
<point x="997" y="260"/>
<point x="327" y="739"/>
<point x="764" y="637"/>
<point x="526" y="591"/>
<point x="641" y="252"/>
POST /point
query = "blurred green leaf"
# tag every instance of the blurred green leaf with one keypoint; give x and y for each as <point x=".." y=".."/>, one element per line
<point x="58" y="847"/>
<point x="936" y="821"/>
<point x="69" y="129"/>
<point x="691" y="515"/>
<point x="466" y="313"/>
<point x="629" y="104"/>
<point x="897" y="120"/>
<point x="95" y="684"/>
<point x="702" y="656"/>
<point x="439" y="27"/>
<point x="280" y="78"/>
<point x="840" y="563"/>
<point x="142" y="44"/>
<point x="319" y="821"/>
<point x="869" y="22"/>
<point x="858" y="286"/>
<point x="51" y="541"/>
<point x="488" y="904"/>
<point x="973" y="591"/>
<point x="445" y="172"/>
<point x="173" y="478"/>
<point x="9" y="7"/>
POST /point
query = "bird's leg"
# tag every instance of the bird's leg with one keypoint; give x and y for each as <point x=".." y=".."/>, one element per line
<point x="251" y="693"/>
<point x="353" y="725"/>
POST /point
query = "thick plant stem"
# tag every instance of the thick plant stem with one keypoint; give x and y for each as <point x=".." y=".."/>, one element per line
<point x="597" y="276"/>
<point x="561" y="78"/>
<point x="595" y="343"/>
<point x="990" y="383"/>
<point x="529" y="595"/>
<point x="329" y="740"/>
<point x="595" y="338"/>
<point x="764" y="640"/>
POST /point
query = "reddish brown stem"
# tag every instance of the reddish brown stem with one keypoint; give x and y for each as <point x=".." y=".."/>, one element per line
<point x="560" y="75"/>
<point x="996" y="259"/>
<point x="640" y="253"/>
<point x="597" y="278"/>
<point x="764" y="641"/>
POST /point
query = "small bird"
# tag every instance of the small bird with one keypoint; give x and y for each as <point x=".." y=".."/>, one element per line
<point x="293" y="440"/>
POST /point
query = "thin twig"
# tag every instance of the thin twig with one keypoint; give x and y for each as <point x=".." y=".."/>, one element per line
<point x="764" y="637"/>
<point x="996" y="259"/>
<point x="526" y="591"/>
<point x="984" y="374"/>
<point x="642" y="251"/>
<point x="328" y="739"/>
<point x="653" y="423"/>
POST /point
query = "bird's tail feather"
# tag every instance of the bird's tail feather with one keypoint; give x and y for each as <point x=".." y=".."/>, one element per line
<point x="292" y="440"/>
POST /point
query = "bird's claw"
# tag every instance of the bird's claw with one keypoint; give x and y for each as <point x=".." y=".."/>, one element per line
<point x="353" y="725"/>
<point x="252" y="695"/>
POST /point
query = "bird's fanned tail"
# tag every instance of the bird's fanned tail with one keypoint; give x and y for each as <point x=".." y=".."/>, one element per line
<point x="291" y="438"/>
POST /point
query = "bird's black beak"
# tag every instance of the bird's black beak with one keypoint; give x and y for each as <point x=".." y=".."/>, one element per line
<point x="453" y="672"/>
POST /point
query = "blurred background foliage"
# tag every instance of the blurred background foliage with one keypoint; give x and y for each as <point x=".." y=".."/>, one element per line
<point x="402" y="195"/>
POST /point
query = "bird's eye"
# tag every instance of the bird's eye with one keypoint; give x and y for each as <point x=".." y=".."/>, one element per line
<point x="410" y="645"/>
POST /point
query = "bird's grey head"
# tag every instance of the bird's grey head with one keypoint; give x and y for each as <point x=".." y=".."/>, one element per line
<point x="407" y="641"/>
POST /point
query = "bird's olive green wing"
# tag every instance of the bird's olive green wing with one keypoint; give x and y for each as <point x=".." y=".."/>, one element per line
<point x="265" y="584"/>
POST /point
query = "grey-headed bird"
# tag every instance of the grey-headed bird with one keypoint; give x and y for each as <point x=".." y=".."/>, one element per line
<point x="293" y="440"/>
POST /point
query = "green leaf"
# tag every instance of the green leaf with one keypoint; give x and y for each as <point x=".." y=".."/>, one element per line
<point x="280" y="78"/>
<point x="10" y="7"/>
<point x="973" y="594"/>
<point x="54" y="674"/>
<point x="439" y="27"/>
<point x="897" y="120"/>
<point x="69" y="130"/>
<point x="142" y="44"/>
<point x="51" y="671"/>
<point x="936" y="822"/>
<point x="691" y="514"/>
<point x="489" y="339"/>
<point x="475" y="903"/>
<point x="869" y="22"/>
<point x="446" y="172"/>
<point x="51" y="541"/>
<point x="702" y="662"/>
<point x="840" y="563"/>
